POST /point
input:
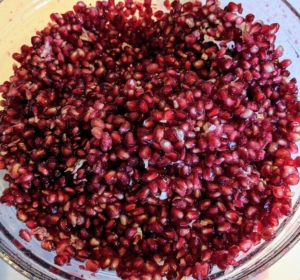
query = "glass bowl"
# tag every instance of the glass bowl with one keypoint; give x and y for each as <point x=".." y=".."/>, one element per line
<point x="19" y="21"/>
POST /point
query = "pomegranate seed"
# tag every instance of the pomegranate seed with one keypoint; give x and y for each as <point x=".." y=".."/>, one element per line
<point x="224" y="227"/>
<point x="250" y="211"/>
<point x="246" y="114"/>
<point x="232" y="216"/>
<point x="282" y="153"/>
<point x="201" y="270"/>
<point x="255" y="238"/>
<point x="166" y="146"/>
<point x="14" y="173"/>
<point x="97" y="132"/>
<point x="22" y="216"/>
<point x="24" y="234"/>
<point x="206" y="255"/>
<point x="61" y="259"/>
<point x="245" y="246"/>
<point x="152" y="68"/>
<point x="110" y="177"/>
<point x="48" y="245"/>
<point x="268" y="234"/>
<point x="234" y="250"/>
<point x="158" y="133"/>
<point x="175" y="137"/>
<point x="230" y="17"/>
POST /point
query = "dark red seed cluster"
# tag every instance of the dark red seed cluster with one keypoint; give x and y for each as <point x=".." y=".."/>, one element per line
<point x="154" y="144"/>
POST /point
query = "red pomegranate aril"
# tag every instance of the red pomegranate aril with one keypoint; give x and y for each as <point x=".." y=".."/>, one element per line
<point x="92" y="265"/>
<point x="268" y="234"/>
<point x="292" y="179"/>
<point x="245" y="246"/>
<point x="201" y="270"/>
<point x="14" y="171"/>
<point x="282" y="153"/>
<point x="61" y="259"/>
<point x="224" y="227"/>
<point x="110" y="177"/>
<point x="97" y="132"/>
<point x="174" y="135"/>
<point x="22" y="216"/>
<point x="232" y="216"/>
<point x="24" y="234"/>
<point x="48" y="245"/>
<point x="31" y="224"/>
<point x="297" y="161"/>
<point x="285" y="63"/>
<point x="234" y="251"/>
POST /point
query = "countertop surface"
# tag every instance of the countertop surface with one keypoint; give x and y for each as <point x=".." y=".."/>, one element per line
<point x="286" y="268"/>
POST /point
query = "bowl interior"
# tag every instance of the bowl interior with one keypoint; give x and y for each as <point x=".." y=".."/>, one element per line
<point x="19" y="22"/>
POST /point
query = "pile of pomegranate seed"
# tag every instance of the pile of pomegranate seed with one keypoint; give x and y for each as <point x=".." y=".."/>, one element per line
<point x="154" y="144"/>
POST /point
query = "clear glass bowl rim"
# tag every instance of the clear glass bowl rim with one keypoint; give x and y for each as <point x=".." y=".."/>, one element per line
<point x="35" y="273"/>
